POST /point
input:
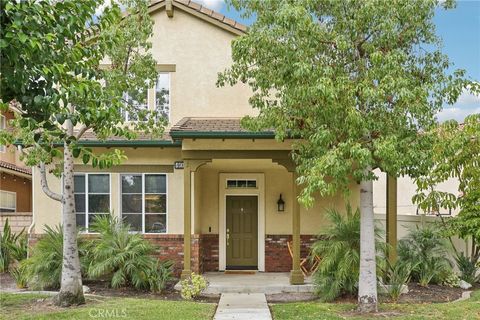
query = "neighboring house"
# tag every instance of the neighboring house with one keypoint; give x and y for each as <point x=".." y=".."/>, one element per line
<point x="406" y="189"/>
<point x="15" y="183"/>
<point x="208" y="193"/>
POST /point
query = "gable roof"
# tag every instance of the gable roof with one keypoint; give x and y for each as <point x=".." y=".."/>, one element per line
<point x="201" y="12"/>
<point x="13" y="167"/>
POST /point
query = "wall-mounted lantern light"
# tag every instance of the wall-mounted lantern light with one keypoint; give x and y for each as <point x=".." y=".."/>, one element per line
<point x="281" y="204"/>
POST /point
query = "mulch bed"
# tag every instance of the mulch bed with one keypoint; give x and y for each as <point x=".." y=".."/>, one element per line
<point x="101" y="288"/>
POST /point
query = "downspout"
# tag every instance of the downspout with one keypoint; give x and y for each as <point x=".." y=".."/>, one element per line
<point x="30" y="228"/>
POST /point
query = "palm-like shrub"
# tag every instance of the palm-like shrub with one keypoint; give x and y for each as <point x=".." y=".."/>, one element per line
<point x="44" y="268"/>
<point x="425" y="249"/>
<point x="125" y="258"/>
<point x="339" y="250"/>
<point x="13" y="247"/>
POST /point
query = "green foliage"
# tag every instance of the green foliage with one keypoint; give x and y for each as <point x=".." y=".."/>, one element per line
<point x="425" y="250"/>
<point x="455" y="154"/>
<point x="468" y="269"/>
<point x="347" y="79"/>
<point x="339" y="250"/>
<point x="451" y="280"/>
<point x="43" y="269"/>
<point x="20" y="275"/>
<point x="125" y="258"/>
<point x="395" y="276"/>
<point x="193" y="286"/>
<point x="13" y="247"/>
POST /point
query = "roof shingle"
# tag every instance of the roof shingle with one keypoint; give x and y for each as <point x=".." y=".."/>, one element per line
<point x="11" y="166"/>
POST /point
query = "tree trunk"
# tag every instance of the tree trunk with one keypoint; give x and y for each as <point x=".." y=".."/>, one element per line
<point x="71" y="289"/>
<point x="367" y="287"/>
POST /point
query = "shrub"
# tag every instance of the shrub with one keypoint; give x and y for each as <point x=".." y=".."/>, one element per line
<point x="19" y="274"/>
<point x="425" y="249"/>
<point x="394" y="276"/>
<point x="125" y="258"/>
<point x="193" y="286"/>
<point x="44" y="267"/>
<point x="13" y="247"/>
<point x="339" y="250"/>
<point x="451" y="280"/>
<point x="468" y="268"/>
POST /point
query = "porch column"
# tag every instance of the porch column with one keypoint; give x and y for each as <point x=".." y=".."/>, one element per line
<point x="187" y="220"/>
<point x="296" y="275"/>
<point x="391" y="217"/>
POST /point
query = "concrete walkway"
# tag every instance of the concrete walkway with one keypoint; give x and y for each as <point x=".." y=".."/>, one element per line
<point x="242" y="306"/>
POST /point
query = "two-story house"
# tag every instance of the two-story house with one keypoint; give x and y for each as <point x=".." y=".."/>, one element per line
<point x="210" y="194"/>
<point x="15" y="183"/>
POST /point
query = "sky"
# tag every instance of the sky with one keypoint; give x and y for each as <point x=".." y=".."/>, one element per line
<point x="460" y="30"/>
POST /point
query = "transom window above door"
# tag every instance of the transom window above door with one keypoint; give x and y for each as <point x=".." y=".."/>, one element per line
<point x="144" y="202"/>
<point x="241" y="183"/>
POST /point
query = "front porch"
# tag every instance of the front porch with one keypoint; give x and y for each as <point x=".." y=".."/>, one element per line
<point x="259" y="282"/>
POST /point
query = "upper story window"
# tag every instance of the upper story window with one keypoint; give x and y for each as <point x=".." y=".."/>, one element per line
<point x="8" y="201"/>
<point x="162" y="94"/>
<point x="92" y="197"/>
<point x="160" y="101"/>
<point x="3" y="126"/>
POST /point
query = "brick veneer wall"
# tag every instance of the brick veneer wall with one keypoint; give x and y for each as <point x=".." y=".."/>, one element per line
<point x="277" y="257"/>
<point x="17" y="220"/>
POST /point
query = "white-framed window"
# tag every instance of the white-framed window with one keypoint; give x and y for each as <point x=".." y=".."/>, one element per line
<point x="3" y="126"/>
<point x="144" y="201"/>
<point x="241" y="183"/>
<point x="162" y="94"/>
<point x="92" y="197"/>
<point x="8" y="201"/>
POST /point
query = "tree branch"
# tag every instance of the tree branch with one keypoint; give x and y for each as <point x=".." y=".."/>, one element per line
<point x="80" y="132"/>
<point x="44" y="184"/>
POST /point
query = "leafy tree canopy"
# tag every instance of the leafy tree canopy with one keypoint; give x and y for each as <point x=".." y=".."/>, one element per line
<point x="353" y="80"/>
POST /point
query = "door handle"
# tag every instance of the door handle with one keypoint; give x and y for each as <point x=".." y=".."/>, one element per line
<point x="228" y="237"/>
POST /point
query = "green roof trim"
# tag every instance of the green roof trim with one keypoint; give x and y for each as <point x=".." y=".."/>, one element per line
<point x="222" y="135"/>
<point x="131" y="143"/>
<point x="122" y="143"/>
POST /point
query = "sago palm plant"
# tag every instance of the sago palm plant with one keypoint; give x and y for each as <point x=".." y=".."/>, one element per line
<point x="44" y="268"/>
<point x="425" y="249"/>
<point x="13" y="247"/>
<point x="125" y="258"/>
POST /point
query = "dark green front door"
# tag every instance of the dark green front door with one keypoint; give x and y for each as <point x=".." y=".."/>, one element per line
<point x="242" y="232"/>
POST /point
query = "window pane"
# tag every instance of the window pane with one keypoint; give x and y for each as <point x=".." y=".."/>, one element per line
<point x="252" y="183"/>
<point x="155" y="223"/>
<point x="131" y="184"/>
<point x="241" y="183"/>
<point x="98" y="203"/>
<point x="8" y="201"/>
<point x="231" y="183"/>
<point x="79" y="183"/>
<point x="155" y="203"/>
<point x="80" y="220"/>
<point x="162" y="94"/>
<point x="79" y="203"/>
<point x="131" y="203"/>
<point x="155" y="183"/>
<point x="134" y="220"/>
<point x="98" y="183"/>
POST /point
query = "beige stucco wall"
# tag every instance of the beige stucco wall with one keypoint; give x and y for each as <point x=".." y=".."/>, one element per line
<point x="406" y="189"/>
<point x="277" y="180"/>
<point x="199" y="50"/>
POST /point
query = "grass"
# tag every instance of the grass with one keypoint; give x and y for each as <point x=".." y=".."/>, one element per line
<point x="28" y="306"/>
<point x="468" y="309"/>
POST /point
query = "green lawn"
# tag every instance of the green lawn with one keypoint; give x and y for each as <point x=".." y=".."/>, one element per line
<point x="469" y="309"/>
<point x="28" y="306"/>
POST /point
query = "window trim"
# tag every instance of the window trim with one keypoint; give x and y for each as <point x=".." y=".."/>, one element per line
<point x="241" y="188"/>
<point x="169" y="93"/>
<point x="15" y="195"/>
<point x="143" y="199"/>
<point x="87" y="213"/>
<point x="3" y="120"/>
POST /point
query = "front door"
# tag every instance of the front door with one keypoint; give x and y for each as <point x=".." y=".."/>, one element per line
<point x="242" y="232"/>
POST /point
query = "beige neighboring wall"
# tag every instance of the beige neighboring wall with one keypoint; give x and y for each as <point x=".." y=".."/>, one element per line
<point x="199" y="50"/>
